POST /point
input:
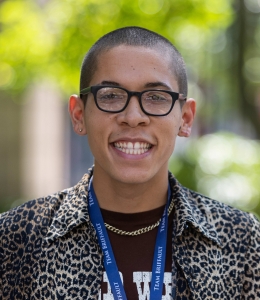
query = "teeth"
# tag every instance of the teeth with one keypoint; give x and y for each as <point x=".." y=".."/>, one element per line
<point x="137" y="145"/>
<point x="133" y="148"/>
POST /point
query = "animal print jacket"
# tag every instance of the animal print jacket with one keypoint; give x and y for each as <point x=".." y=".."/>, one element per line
<point x="49" y="249"/>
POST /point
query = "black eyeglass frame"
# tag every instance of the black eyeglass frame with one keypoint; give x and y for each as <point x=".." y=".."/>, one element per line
<point x="95" y="88"/>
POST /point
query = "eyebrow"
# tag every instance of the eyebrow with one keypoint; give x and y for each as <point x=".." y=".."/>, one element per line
<point x="155" y="84"/>
<point x="106" y="82"/>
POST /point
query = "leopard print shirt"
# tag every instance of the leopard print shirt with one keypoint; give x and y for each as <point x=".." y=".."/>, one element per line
<point x="49" y="249"/>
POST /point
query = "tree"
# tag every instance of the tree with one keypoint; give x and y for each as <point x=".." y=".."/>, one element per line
<point x="48" y="39"/>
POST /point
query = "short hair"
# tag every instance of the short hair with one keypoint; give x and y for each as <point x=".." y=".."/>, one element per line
<point x="133" y="36"/>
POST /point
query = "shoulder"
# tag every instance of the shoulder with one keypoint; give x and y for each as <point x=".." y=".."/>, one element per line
<point x="225" y="239"/>
<point x="31" y="218"/>
<point x="222" y="215"/>
<point x="211" y="216"/>
<point x="239" y="236"/>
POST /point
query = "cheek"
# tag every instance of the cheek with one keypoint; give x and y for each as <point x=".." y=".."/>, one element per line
<point x="176" y="121"/>
<point x="96" y="140"/>
<point x="92" y="118"/>
<point x="98" y="129"/>
<point x="172" y="124"/>
<point x="94" y="129"/>
<point x="170" y="131"/>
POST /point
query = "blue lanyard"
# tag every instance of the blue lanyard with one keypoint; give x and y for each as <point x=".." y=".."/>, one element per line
<point x="109" y="259"/>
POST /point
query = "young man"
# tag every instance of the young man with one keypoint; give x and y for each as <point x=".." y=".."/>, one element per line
<point x="128" y="229"/>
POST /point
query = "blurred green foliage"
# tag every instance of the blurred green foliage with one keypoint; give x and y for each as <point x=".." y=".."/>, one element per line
<point x="222" y="166"/>
<point x="48" y="39"/>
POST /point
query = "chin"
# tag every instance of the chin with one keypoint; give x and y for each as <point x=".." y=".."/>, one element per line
<point x="134" y="177"/>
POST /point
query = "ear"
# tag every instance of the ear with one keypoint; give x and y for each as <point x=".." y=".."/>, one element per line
<point x="188" y="113"/>
<point x="76" y="111"/>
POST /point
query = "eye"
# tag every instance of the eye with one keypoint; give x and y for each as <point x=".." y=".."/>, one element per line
<point x="155" y="96"/>
<point x="108" y="96"/>
<point x="111" y="94"/>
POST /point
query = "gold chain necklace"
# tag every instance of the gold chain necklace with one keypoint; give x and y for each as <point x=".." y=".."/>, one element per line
<point x="138" y="231"/>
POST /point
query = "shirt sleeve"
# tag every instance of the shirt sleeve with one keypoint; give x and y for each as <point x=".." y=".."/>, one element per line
<point x="251" y="285"/>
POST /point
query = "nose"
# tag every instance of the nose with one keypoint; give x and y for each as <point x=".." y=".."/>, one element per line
<point x="133" y="115"/>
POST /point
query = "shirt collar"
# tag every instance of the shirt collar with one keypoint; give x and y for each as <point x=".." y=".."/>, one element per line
<point x="73" y="210"/>
<point x="190" y="209"/>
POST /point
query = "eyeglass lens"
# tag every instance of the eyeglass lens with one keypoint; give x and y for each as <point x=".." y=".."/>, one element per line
<point x="114" y="99"/>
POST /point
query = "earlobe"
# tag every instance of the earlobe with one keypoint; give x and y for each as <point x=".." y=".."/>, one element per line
<point x="188" y="113"/>
<point x="76" y="111"/>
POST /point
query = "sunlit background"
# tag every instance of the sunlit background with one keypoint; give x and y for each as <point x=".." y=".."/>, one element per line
<point x="42" y="44"/>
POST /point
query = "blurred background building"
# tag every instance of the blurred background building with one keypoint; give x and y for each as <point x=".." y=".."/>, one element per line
<point x="42" y="44"/>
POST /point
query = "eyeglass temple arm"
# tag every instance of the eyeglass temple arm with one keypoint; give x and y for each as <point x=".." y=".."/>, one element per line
<point x="85" y="91"/>
<point x="182" y="97"/>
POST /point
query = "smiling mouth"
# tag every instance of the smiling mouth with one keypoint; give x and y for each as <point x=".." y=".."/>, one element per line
<point x="136" y="148"/>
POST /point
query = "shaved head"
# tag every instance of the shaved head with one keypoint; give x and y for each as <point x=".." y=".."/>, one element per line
<point x="139" y="37"/>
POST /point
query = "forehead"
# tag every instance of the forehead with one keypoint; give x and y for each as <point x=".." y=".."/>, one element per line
<point x="129" y="65"/>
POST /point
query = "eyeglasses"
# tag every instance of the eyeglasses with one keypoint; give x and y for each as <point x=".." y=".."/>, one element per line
<point x="115" y="99"/>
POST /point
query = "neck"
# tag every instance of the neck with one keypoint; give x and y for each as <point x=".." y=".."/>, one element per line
<point x="130" y="198"/>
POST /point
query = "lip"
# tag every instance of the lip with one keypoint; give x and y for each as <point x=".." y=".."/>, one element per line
<point x="132" y="140"/>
